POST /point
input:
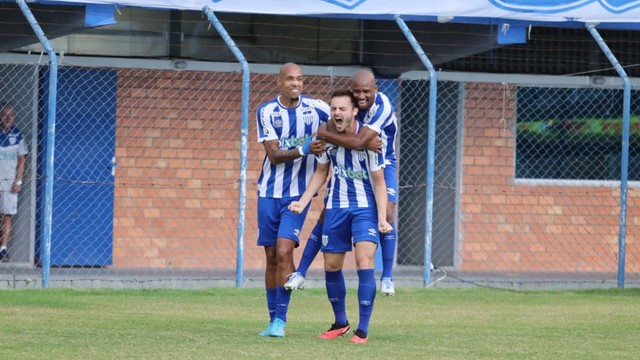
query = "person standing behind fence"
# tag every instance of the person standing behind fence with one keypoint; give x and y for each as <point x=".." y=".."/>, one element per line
<point x="378" y="117"/>
<point x="355" y="213"/>
<point x="13" y="151"/>
<point x="286" y="125"/>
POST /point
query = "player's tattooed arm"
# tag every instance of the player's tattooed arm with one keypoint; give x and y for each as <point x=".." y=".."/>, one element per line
<point x="277" y="155"/>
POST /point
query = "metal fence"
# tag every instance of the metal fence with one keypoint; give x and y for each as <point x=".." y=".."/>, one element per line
<point x="147" y="158"/>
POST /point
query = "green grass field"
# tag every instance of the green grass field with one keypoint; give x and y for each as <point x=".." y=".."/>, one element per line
<point x="223" y="323"/>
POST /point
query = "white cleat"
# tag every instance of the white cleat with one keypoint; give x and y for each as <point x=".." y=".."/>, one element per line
<point x="296" y="281"/>
<point x="386" y="287"/>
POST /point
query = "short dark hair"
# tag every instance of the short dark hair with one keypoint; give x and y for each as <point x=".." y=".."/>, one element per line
<point x="345" y="93"/>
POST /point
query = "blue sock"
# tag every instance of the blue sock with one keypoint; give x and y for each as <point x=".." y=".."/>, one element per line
<point x="311" y="249"/>
<point x="388" y="247"/>
<point x="337" y="293"/>
<point x="283" y="298"/>
<point x="271" y="303"/>
<point x="366" y="297"/>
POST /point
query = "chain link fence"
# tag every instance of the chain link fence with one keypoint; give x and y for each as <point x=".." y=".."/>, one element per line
<point x="147" y="167"/>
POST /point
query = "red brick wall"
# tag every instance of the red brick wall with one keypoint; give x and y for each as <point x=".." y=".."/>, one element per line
<point x="177" y="179"/>
<point x="520" y="227"/>
<point x="176" y="195"/>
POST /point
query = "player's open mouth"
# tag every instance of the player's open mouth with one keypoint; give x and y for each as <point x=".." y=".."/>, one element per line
<point x="338" y="121"/>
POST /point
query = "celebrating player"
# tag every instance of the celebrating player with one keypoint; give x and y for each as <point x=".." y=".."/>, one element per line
<point x="355" y="209"/>
<point x="378" y="117"/>
<point x="286" y="125"/>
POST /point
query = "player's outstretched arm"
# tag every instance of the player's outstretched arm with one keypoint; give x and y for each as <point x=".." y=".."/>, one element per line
<point x="317" y="180"/>
<point x="380" y="193"/>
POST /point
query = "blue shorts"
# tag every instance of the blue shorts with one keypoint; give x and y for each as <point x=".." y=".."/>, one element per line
<point x="391" y="178"/>
<point x="342" y="226"/>
<point x="275" y="221"/>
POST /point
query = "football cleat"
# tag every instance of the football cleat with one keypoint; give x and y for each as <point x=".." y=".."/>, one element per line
<point x="335" y="331"/>
<point x="386" y="287"/>
<point x="277" y="328"/>
<point x="296" y="281"/>
<point x="359" y="337"/>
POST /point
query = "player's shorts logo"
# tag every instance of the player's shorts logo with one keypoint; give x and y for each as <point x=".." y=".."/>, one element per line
<point x="557" y="6"/>
<point x="325" y="240"/>
<point x="347" y="4"/>
<point x="373" y="232"/>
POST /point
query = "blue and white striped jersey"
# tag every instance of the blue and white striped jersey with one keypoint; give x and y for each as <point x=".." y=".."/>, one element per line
<point x="381" y="118"/>
<point x="351" y="185"/>
<point x="292" y="127"/>
<point x="12" y="145"/>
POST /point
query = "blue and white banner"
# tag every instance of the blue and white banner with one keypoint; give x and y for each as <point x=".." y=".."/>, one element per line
<point x="582" y="11"/>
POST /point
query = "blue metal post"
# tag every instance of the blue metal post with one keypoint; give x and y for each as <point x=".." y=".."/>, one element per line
<point x="431" y="143"/>
<point x="244" y="131"/>
<point x="51" y="137"/>
<point x="624" y="171"/>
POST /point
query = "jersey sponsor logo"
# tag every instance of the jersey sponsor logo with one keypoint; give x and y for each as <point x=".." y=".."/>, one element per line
<point x="347" y="4"/>
<point x="557" y="6"/>
<point x="293" y="141"/>
<point x="349" y="173"/>
<point x="8" y="155"/>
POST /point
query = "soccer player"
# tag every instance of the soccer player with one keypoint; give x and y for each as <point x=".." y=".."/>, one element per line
<point x="286" y="125"/>
<point x="378" y="117"/>
<point x="355" y="212"/>
<point x="13" y="153"/>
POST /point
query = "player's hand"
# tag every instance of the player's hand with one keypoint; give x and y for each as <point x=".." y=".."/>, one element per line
<point x="384" y="227"/>
<point x="296" y="207"/>
<point x="375" y="144"/>
<point x="322" y="131"/>
<point x="317" y="147"/>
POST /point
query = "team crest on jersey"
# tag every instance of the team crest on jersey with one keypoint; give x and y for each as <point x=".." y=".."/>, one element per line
<point x="371" y="113"/>
<point x="362" y="155"/>
<point x="325" y="240"/>
<point x="13" y="140"/>
<point x="276" y="119"/>
<point x="347" y="4"/>
<point x="557" y="6"/>
<point x="332" y="150"/>
<point x="307" y="116"/>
